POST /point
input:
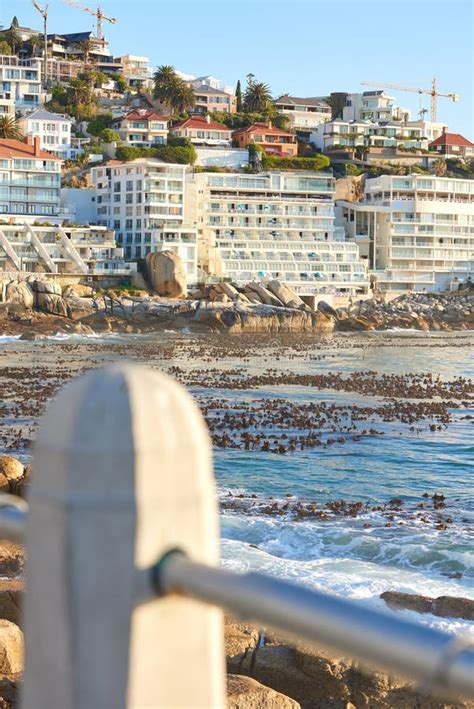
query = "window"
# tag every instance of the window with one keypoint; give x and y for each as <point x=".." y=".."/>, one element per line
<point x="129" y="185"/>
<point x="117" y="224"/>
<point x="129" y="224"/>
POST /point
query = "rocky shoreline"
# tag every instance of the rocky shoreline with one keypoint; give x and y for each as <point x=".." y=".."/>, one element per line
<point x="36" y="307"/>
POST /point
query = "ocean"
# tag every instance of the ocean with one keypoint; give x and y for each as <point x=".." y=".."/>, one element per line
<point x="399" y="538"/>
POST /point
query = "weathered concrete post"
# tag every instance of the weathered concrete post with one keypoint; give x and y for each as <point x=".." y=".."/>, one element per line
<point x="122" y="474"/>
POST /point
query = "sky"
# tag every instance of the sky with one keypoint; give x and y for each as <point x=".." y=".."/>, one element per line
<point x="301" y="47"/>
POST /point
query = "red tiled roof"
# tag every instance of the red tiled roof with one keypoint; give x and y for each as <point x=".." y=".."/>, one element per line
<point x="198" y="122"/>
<point x="452" y="139"/>
<point x="263" y="128"/>
<point x="18" y="149"/>
<point x="145" y="114"/>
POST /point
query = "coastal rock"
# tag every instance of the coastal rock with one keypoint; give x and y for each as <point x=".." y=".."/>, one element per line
<point x="285" y="294"/>
<point x="167" y="274"/>
<point x="11" y="648"/>
<point x="10" y="606"/>
<point x="228" y="289"/>
<point x="32" y="336"/>
<point x="78" y="290"/>
<point x="19" y="293"/>
<point x="240" y="639"/>
<point x="10" y="469"/>
<point x="246" y="693"/>
<point x="78" y="308"/>
<point x="43" y="286"/>
<point x="265" y="295"/>
<point x="326" y="309"/>
<point x="52" y="304"/>
<point x="443" y="606"/>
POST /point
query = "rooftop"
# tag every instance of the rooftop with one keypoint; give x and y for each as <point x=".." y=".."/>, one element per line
<point x="265" y="127"/>
<point x="452" y="139"/>
<point x="42" y="115"/>
<point x="17" y="149"/>
<point x="142" y="114"/>
<point x="297" y="101"/>
<point x="202" y="123"/>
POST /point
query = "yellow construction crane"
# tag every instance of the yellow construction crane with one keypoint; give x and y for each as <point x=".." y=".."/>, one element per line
<point x="44" y="13"/>
<point x="433" y="92"/>
<point x="97" y="12"/>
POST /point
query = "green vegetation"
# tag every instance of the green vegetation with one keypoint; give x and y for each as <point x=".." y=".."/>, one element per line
<point x="78" y="99"/>
<point x="99" y="123"/>
<point x="258" y="98"/>
<point x="108" y="135"/>
<point x="181" y="154"/>
<point x="171" y="90"/>
<point x="318" y="162"/>
<point x="238" y="96"/>
<point x="234" y="121"/>
<point x="5" y="48"/>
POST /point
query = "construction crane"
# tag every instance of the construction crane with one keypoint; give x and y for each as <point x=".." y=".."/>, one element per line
<point x="44" y="13"/>
<point x="97" y="12"/>
<point x="433" y="92"/>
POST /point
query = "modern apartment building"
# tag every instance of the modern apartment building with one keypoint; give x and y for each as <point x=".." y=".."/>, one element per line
<point x="142" y="127"/>
<point x="53" y="131"/>
<point x="273" y="140"/>
<point x="273" y="225"/>
<point x="305" y="114"/>
<point x="338" y="134"/>
<point x="20" y="82"/>
<point x="143" y="201"/>
<point x="30" y="180"/>
<point x="417" y="231"/>
<point x="136" y="70"/>
<point x="202" y="131"/>
<point x="68" y="46"/>
<point x="61" y="249"/>
<point x="211" y="100"/>
<point x="372" y="106"/>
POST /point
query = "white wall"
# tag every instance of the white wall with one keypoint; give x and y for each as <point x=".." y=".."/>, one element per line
<point x="222" y="157"/>
<point x="82" y="202"/>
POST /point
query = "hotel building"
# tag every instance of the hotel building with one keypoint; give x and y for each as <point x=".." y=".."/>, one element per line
<point x="275" y="225"/>
<point x="417" y="231"/>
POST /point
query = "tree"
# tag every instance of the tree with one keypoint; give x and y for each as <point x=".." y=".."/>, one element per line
<point x="238" y="96"/>
<point x="172" y="90"/>
<point x="85" y="47"/>
<point x="257" y="97"/>
<point x="12" y="38"/>
<point x="15" y="22"/>
<point x="35" y="42"/>
<point x="10" y="128"/>
<point x="439" y="167"/>
<point x="5" y="48"/>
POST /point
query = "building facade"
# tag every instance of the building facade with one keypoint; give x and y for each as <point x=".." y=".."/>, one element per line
<point x="305" y="114"/>
<point x="202" y="131"/>
<point x="30" y="180"/>
<point x="273" y="225"/>
<point x="373" y="106"/>
<point x="144" y="202"/>
<point x="273" y="140"/>
<point x="20" y="82"/>
<point x="453" y="145"/>
<point x="136" y="70"/>
<point x="53" y="131"/>
<point x="142" y="127"/>
<point x="210" y="100"/>
<point x="339" y="134"/>
<point x="417" y="231"/>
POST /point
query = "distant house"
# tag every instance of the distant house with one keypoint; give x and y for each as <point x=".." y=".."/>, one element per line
<point x="305" y="114"/>
<point x="273" y="140"/>
<point x="210" y="100"/>
<point x="202" y="131"/>
<point x="142" y="127"/>
<point x="453" y="145"/>
<point x="53" y="131"/>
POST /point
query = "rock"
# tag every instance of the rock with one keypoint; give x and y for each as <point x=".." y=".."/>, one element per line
<point x="10" y="606"/>
<point x="265" y="295"/>
<point x="444" y="606"/>
<point x="222" y="298"/>
<point x="51" y="303"/>
<point x="285" y="294"/>
<point x="247" y="693"/>
<point x="252" y="296"/>
<point x="19" y="293"/>
<point x="229" y="290"/>
<point x="11" y="648"/>
<point x="20" y="486"/>
<point x="10" y="469"/>
<point x="239" y="639"/>
<point x="79" y="291"/>
<point x="326" y="309"/>
<point x="167" y="274"/>
<point x="32" y="335"/>
<point x="52" y="287"/>
<point x="78" y="308"/>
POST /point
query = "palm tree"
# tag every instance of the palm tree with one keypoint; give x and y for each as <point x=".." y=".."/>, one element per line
<point x="10" y="128"/>
<point x="13" y="38"/>
<point x="172" y="90"/>
<point x="36" y="41"/>
<point x="258" y="97"/>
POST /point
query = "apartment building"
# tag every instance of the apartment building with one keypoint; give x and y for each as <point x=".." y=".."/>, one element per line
<point x="53" y="131"/>
<point x="30" y="180"/>
<point x="305" y="114"/>
<point x="20" y="82"/>
<point x="202" y="131"/>
<point x="144" y="202"/>
<point x="453" y="145"/>
<point x="211" y="100"/>
<point x="136" y="70"/>
<point x="273" y="225"/>
<point x="273" y="140"/>
<point x="372" y="106"/>
<point x="68" y="46"/>
<point x="337" y="134"/>
<point x="88" y="250"/>
<point x="142" y="127"/>
<point x="417" y="231"/>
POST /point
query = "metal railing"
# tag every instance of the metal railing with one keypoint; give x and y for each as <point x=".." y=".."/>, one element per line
<point x="123" y="586"/>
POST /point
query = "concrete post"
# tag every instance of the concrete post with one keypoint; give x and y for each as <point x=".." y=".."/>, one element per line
<point x="122" y="474"/>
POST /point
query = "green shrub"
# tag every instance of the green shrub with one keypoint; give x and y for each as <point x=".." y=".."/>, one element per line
<point x="318" y="162"/>
<point x="128" y="152"/>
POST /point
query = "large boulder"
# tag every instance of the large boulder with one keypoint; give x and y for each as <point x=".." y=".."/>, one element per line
<point x="167" y="274"/>
<point x="286" y="295"/>
<point x="11" y="648"/>
<point x="247" y="693"/>
<point x="52" y="304"/>
<point x="44" y="286"/>
<point x="10" y="470"/>
<point x="19" y="293"/>
<point x="78" y="290"/>
<point x="265" y="295"/>
<point x="10" y="605"/>
<point x="228" y="289"/>
<point x="443" y="606"/>
<point x="78" y="308"/>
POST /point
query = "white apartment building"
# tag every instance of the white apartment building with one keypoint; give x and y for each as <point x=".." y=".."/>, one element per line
<point x="53" y="131"/>
<point x="136" y="70"/>
<point x="61" y="249"/>
<point x="20" y="82"/>
<point x="372" y="106"/>
<point x="30" y="180"/>
<point x="274" y="225"/>
<point x="352" y="134"/>
<point x="143" y="201"/>
<point x="417" y="231"/>
<point x="305" y="114"/>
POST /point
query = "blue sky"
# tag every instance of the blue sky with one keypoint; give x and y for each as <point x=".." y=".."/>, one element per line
<point x="303" y="47"/>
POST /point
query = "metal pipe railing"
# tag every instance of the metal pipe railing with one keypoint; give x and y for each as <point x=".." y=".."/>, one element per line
<point x="438" y="661"/>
